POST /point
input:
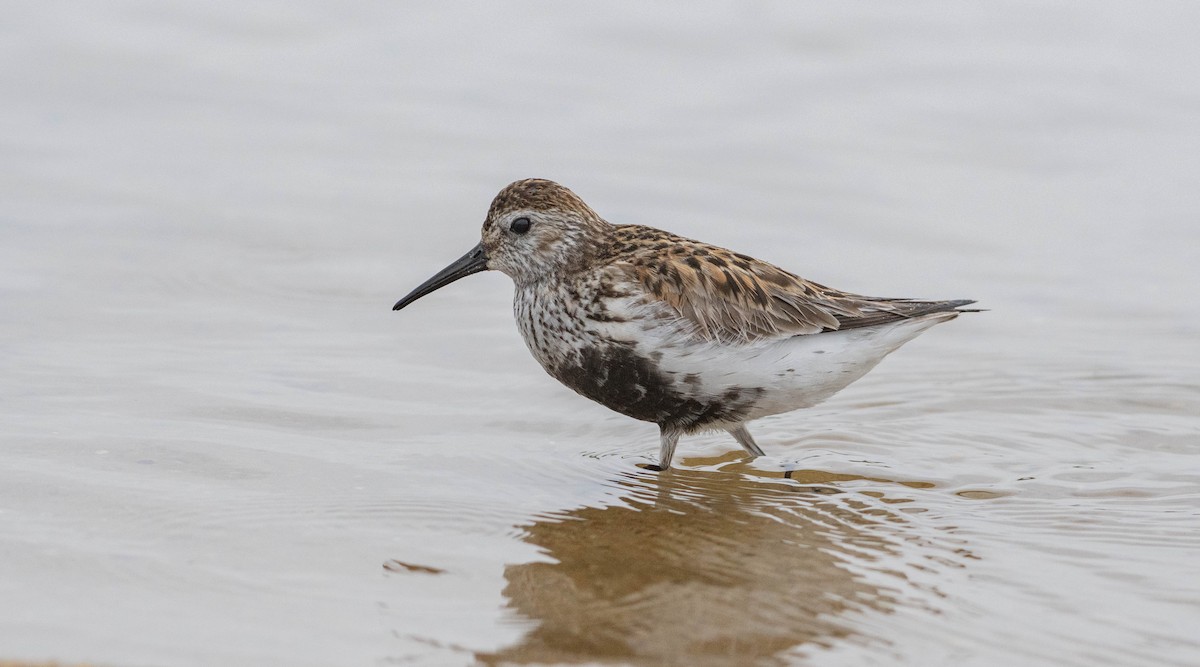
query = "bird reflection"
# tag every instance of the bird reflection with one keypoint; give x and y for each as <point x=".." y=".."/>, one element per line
<point x="698" y="567"/>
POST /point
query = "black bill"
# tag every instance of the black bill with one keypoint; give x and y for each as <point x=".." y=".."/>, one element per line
<point x="472" y="262"/>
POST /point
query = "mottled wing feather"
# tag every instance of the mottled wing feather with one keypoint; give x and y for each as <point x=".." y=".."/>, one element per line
<point x="733" y="297"/>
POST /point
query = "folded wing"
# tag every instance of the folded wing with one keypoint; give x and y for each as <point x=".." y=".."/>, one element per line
<point x="733" y="297"/>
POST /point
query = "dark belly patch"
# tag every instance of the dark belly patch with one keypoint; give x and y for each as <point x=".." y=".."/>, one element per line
<point x="622" y="380"/>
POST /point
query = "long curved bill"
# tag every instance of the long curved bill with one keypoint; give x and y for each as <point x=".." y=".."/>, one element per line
<point x="472" y="262"/>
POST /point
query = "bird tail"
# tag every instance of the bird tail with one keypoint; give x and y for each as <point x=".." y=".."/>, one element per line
<point x="883" y="311"/>
<point x="953" y="305"/>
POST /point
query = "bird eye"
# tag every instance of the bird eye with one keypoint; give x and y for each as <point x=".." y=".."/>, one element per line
<point x="519" y="226"/>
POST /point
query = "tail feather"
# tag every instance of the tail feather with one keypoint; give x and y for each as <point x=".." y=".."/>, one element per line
<point x="891" y="310"/>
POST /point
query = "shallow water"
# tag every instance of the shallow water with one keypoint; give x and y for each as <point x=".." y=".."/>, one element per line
<point x="221" y="446"/>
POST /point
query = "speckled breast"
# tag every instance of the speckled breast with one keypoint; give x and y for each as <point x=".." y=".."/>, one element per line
<point x="564" y="331"/>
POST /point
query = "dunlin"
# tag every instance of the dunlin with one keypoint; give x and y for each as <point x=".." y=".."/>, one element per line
<point x="673" y="331"/>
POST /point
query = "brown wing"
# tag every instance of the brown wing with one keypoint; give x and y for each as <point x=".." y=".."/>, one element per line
<point x="734" y="297"/>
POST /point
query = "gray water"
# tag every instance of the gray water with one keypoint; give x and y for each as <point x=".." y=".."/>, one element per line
<point x="219" y="445"/>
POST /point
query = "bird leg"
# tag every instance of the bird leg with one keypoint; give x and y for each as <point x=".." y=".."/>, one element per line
<point x="666" y="450"/>
<point x="745" y="440"/>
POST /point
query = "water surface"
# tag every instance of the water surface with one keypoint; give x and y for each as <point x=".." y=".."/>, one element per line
<point x="218" y="444"/>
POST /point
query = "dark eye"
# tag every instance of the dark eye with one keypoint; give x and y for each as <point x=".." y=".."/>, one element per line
<point x="519" y="226"/>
